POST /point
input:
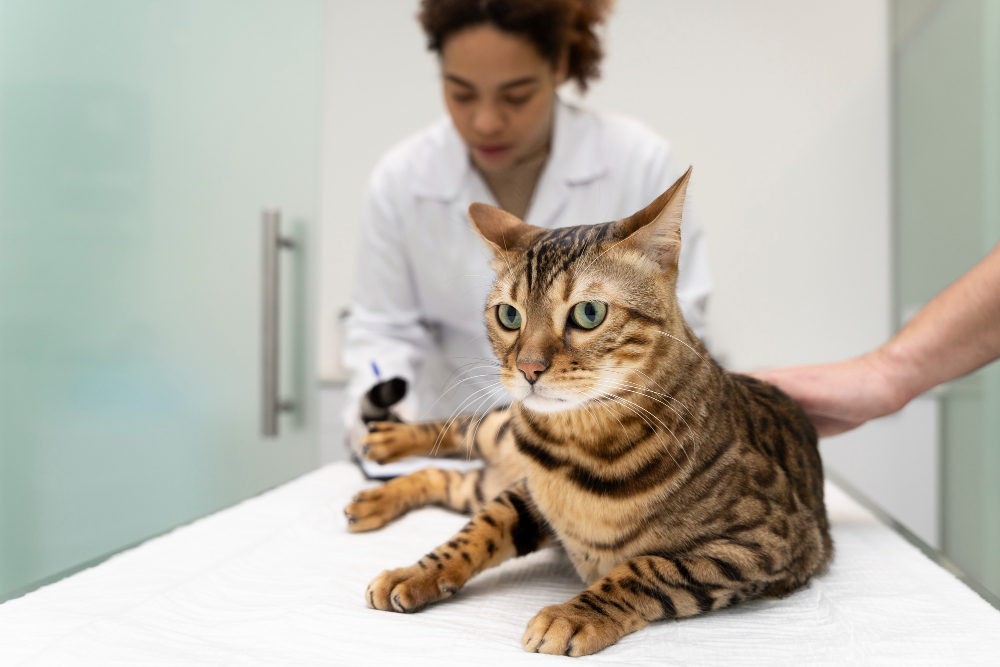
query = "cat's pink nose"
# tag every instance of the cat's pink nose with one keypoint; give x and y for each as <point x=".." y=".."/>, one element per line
<point x="531" y="369"/>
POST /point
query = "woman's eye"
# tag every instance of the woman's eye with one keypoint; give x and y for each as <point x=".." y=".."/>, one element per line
<point x="508" y="316"/>
<point x="588" y="314"/>
<point x="519" y="100"/>
<point x="462" y="98"/>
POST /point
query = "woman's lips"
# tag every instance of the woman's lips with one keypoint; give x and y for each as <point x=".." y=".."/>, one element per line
<point x="493" y="151"/>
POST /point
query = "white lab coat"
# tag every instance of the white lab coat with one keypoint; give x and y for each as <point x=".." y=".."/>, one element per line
<point x="423" y="273"/>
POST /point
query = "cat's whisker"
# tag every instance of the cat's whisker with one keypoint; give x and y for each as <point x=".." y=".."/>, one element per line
<point x="680" y="442"/>
<point x="475" y="434"/>
<point x="454" y="414"/>
<point x="664" y="393"/>
<point x="664" y="390"/>
<point x="476" y="411"/>
<point x="594" y="414"/>
<point x="603" y="398"/>
<point x="685" y="344"/>
<point x="475" y="364"/>
<point x="657" y="418"/>
<point x="651" y="392"/>
<point x="638" y="389"/>
<point x="460" y="370"/>
<point x="481" y="333"/>
<point x="623" y="403"/>
<point x="464" y="368"/>
<point x="642" y="392"/>
<point x="454" y="386"/>
<point x="466" y="378"/>
<point x="596" y="388"/>
<point x="474" y="287"/>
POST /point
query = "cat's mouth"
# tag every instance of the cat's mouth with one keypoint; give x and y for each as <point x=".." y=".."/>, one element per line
<point x="540" y="399"/>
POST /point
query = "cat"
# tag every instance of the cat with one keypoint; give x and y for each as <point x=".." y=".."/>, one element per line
<point x="674" y="486"/>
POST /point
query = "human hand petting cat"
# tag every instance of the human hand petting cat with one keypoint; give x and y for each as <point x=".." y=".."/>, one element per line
<point x="839" y="396"/>
<point x="957" y="332"/>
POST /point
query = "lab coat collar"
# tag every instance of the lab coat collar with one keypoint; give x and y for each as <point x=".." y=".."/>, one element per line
<point x="576" y="159"/>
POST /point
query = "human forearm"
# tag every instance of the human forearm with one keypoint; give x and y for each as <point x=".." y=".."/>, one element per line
<point x="377" y="349"/>
<point x="955" y="333"/>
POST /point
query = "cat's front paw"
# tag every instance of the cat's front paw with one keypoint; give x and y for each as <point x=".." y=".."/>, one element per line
<point x="410" y="589"/>
<point x="572" y="629"/>
<point x="390" y="441"/>
<point x="371" y="509"/>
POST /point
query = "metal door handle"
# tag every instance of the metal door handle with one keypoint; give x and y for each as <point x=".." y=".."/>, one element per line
<point x="272" y="405"/>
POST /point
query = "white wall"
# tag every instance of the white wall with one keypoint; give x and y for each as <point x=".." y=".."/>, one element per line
<point x="893" y="461"/>
<point x="381" y="85"/>
<point x="782" y="106"/>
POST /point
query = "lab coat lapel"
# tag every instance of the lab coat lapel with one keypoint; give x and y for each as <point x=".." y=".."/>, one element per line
<point x="576" y="159"/>
<point x="449" y="177"/>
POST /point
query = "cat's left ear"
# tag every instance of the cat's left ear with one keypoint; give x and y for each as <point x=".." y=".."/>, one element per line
<point x="656" y="230"/>
<point x="502" y="231"/>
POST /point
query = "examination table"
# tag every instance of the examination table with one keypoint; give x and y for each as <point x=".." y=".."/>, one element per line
<point x="278" y="580"/>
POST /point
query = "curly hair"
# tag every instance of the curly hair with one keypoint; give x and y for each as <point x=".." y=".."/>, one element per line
<point x="555" y="27"/>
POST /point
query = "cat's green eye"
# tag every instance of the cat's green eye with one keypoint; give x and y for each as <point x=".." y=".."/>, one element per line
<point x="508" y="316"/>
<point x="588" y="314"/>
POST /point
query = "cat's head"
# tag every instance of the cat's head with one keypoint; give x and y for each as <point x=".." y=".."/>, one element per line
<point x="577" y="312"/>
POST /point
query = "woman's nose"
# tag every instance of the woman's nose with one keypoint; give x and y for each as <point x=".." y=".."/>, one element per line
<point x="487" y="120"/>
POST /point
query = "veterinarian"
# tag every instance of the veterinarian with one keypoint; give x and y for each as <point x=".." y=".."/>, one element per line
<point x="957" y="332"/>
<point x="509" y="141"/>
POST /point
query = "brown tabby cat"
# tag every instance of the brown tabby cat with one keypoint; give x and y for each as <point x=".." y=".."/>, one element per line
<point x="674" y="486"/>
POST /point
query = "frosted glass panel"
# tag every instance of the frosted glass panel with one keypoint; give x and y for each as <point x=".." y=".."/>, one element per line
<point x="948" y="212"/>
<point x="139" y="142"/>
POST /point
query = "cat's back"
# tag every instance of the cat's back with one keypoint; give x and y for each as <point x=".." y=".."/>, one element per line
<point x="777" y="427"/>
<point x="780" y="454"/>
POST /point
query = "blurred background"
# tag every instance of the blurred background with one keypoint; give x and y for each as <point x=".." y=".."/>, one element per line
<point x="847" y="168"/>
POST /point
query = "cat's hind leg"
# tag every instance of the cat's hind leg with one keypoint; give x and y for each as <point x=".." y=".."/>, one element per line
<point x="374" y="508"/>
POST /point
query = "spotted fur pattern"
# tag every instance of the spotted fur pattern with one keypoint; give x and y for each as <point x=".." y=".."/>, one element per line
<point x="675" y="487"/>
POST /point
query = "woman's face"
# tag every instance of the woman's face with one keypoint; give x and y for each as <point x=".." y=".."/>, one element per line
<point x="500" y="93"/>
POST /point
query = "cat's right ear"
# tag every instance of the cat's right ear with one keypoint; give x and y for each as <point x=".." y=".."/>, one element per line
<point x="503" y="232"/>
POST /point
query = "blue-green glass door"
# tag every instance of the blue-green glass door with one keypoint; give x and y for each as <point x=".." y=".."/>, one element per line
<point x="139" y="142"/>
<point x="947" y="114"/>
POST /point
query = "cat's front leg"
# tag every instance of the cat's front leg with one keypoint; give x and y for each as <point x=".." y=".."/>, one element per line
<point x="582" y="626"/>
<point x="390" y="441"/>
<point x="506" y="527"/>
<point x="629" y="597"/>
<point x="374" y="508"/>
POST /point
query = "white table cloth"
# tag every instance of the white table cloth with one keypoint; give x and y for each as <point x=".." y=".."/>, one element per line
<point x="278" y="580"/>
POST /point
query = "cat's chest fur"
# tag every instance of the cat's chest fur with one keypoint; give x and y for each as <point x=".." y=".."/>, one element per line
<point x="594" y="530"/>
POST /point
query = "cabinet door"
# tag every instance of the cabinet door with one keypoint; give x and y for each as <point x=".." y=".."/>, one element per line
<point x="139" y="142"/>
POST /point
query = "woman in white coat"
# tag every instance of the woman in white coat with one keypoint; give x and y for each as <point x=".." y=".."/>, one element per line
<point x="509" y="141"/>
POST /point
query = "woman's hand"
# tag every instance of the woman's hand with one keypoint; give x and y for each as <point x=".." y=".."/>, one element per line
<point x="841" y="396"/>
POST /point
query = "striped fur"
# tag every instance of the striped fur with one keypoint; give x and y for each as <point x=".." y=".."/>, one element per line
<point x="675" y="487"/>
